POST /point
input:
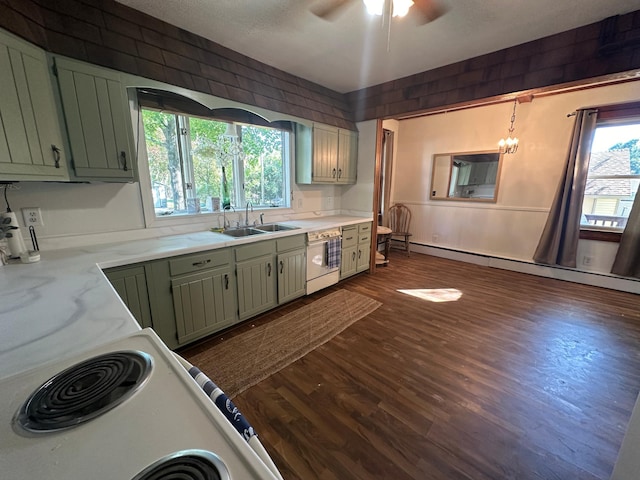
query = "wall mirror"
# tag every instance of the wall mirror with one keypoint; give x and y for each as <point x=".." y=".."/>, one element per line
<point x="470" y="176"/>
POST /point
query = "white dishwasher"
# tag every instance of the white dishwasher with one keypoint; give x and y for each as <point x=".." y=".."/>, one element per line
<point x="323" y="258"/>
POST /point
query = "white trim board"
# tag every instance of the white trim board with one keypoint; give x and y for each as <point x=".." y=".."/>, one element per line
<point x="612" y="282"/>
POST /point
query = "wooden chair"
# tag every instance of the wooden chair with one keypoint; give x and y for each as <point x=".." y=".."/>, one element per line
<point x="400" y="223"/>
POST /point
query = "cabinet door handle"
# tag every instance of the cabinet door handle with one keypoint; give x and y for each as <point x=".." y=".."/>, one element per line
<point x="123" y="157"/>
<point x="339" y="173"/>
<point x="56" y="156"/>
<point x="353" y="256"/>
<point x="201" y="263"/>
<point x="359" y="254"/>
<point x="226" y="281"/>
<point x="333" y="174"/>
<point x="348" y="238"/>
<point x="281" y="267"/>
<point x="269" y="269"/>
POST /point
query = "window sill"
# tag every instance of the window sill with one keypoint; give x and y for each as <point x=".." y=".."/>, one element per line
<point x="600" y="235"/>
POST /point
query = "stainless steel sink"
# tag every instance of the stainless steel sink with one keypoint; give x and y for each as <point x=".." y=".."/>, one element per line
<point x="275" y="227"/>
<point x="242" y="232"/>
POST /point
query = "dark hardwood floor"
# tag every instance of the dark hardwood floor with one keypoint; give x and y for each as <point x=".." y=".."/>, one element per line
<point x="521" y="377"/>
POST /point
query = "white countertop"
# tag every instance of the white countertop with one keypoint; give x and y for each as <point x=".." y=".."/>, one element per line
<point x="64" y="304"/>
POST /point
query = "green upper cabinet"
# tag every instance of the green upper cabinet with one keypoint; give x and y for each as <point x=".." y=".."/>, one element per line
<point x="326" y="155"/>
<point x="98" y="122"/>
<point x="31" y="146"/>
<point x="347" y="156"/>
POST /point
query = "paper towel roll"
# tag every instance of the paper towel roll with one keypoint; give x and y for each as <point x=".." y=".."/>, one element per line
<point x="16" y="242"/>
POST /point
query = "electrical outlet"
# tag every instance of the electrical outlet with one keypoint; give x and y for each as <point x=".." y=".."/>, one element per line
<point x="32" y="216"/>
<point x="435" y="237"/>
<point x="587" y="260"/>
<point x="299" y="203"/>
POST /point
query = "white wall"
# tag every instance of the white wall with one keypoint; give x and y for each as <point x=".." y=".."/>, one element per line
<point x="82" y="214"/>
<point x="511" y="227"/>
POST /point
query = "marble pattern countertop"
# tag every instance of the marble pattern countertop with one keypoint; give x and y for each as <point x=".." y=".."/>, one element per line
<point x="64" y="304"/>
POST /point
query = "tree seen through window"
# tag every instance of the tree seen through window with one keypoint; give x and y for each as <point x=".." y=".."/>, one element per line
<point x="186" y="156"/>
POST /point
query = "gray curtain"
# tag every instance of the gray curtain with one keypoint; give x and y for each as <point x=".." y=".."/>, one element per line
<point x="558" y="244"/>
<point x="627" y="262"/>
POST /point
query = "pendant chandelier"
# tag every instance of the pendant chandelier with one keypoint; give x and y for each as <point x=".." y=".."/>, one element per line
<point x="228" y="146"/>
<point x="400" y="7"/>
<point x="510" y="144"/>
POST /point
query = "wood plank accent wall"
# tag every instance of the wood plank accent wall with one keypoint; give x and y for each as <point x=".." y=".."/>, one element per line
<point x="596" y="51"/>
<point x="113" y="35"/>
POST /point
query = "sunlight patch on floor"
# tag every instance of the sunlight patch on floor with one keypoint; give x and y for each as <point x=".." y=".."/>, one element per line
<point x="434" y="294"/>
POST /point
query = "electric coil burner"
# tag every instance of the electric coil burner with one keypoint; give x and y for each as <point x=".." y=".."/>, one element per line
<point x="84" y="391"/>
<point x="186" y="465"/>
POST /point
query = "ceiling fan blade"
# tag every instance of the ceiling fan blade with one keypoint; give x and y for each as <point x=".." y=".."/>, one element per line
<point x="428" y="10"/>
<point x="329" y="9"/>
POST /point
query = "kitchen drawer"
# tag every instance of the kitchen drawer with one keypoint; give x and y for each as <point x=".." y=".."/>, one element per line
<point x="254" y="250"/>
<point x="290" y="243"/>
<point x="199" y="261"/>
<point x="349" y="236"/>
<point x="364" y="227"/>
<point x="364" y="238"/>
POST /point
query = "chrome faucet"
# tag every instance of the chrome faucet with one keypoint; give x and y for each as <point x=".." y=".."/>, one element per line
<point x="246" y="213"/>
<point x="262" y="218"/>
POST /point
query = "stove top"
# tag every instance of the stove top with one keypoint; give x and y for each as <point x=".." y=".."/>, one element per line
<point x="125" y="410"/>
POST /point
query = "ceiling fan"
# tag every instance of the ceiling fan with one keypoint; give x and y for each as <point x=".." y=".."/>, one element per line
<point x="424" y="11"/>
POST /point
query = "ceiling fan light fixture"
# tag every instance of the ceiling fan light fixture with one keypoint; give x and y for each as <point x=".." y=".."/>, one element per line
<point x="374" y="7"/>
<point x="400" y="7"/>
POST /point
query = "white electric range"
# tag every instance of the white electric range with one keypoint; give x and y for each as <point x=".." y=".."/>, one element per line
<point x="141" y="416"/>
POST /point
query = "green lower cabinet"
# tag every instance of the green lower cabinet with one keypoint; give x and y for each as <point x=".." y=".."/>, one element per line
<point x="256" y="285"/>
<point x="362" y="260"/>
<point x="292" y="275"/>
<point x="131" y="285"/>
<point x="348" y="262"/>
<point x="356" y="249"/>
<point x="364" y="247"/>
<point x="203" y="302"/>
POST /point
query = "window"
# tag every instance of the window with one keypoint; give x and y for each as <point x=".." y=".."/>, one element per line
<point x="199" y="165"/>
<point x="614" y="173"/>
